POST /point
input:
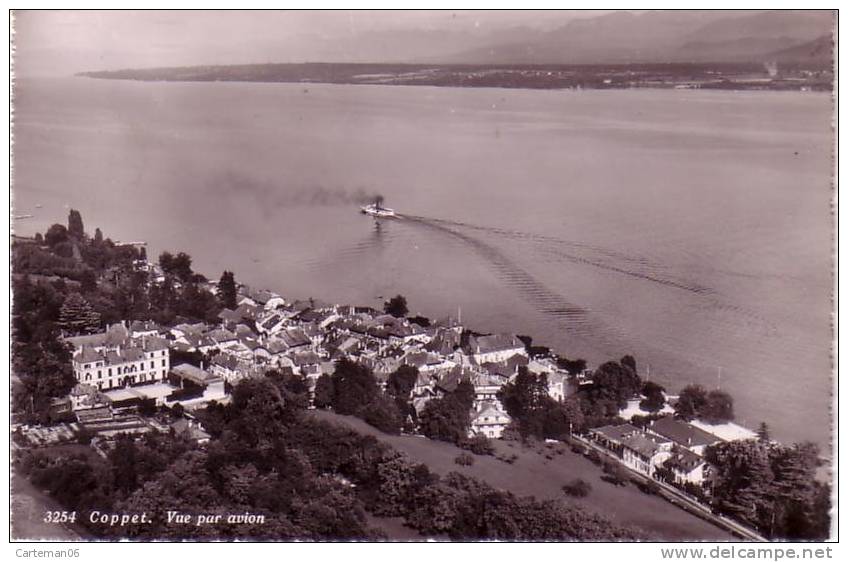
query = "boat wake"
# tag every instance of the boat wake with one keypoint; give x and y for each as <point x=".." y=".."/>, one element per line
<point x="554" y="249"/>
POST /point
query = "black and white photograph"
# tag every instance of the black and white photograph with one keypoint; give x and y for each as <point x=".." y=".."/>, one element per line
<point x="386" y="276"/>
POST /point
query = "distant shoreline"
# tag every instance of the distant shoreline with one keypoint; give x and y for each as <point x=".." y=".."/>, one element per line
<point x="695" y="76"/>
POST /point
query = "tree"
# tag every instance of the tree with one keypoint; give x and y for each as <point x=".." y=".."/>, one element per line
<point x="227" y="292"/>
<point x="719" y="407"/>
<point x="178" y="266"/>
<point x="293" y="388"/>
<point x="324" y="392"/>
<point x="353" y="387"/>
<point x="259" y="406"/>
<point x="396" y="306"/>
<point x="524" y="395"/>
<point x="691" y="402"/>
<point x="98" y="236"/>
<point x="629" y="361"/>
<point x="383" y="413"/>
<point x="534" y="412"/>
<point x="198" y="303"/>
<point x="574" y="367"/>
<point x="75" y="226"/>
<point x="614" y="382"/>
<point x="577" y="488"/>
<point x="402" y="381"/>
<point x="442" y="419"/>
<point x="39" y="239"/>
<point x="399" y="386"/>
<point x="77" y="316"/>
<point x="447" y="418"/>
<point x="771" y="487"/>
<point x="56" y="234"/>
<point x="654" y="398"/>
<point x="763" y="433"/>
<point x="463" y="395"/>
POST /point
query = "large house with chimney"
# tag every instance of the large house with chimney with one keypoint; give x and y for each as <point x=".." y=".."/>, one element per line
<point x="495" y="348"/>
<point x="118" y="357"/>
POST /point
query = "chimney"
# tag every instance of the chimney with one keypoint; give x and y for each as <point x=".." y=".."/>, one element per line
<point x="201" y="365"/>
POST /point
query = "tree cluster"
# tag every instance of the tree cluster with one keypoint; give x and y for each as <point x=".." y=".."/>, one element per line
<point x="75" y="284"/>
<point x="654" y="397"/>
<point x="534" y="412"/>
<point x="715" y="406"/>
<point x="771" y="487"/>
<point x="447" y="418"/>
<point x="310" y="480"/>
<point x="41" y="363"/>
<point x="396" y="306"/>
<point x="353" y="390"/>
<point x="613" y="384"/>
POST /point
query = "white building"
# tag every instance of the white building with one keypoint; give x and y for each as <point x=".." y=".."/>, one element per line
<point x="114" y="359"/>
<point x="490" y="421"/>
<point x="495" y="348"/>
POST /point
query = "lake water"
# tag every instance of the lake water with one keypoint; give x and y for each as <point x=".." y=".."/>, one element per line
<point x="690" y="229"/>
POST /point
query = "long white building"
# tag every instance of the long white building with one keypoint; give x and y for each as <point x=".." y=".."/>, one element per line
<point x="114" y="358"/>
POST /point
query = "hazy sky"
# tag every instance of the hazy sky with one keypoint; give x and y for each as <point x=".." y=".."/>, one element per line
<point x="66" y="42"/>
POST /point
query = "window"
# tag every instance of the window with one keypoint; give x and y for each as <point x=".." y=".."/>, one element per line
<point x="163" y="362"/>
<point x="151" y="364"/>
<point x="110" y="371"/>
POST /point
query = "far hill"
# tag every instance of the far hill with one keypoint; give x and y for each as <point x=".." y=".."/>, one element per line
<point x="818" y="52"/>
<point x="660" y="37"/>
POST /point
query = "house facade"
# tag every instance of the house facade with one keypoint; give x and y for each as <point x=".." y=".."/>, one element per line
<point x="130" y="362"/>
<point x="490" y="421"/>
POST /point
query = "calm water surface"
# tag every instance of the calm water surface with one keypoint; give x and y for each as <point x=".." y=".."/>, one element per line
<point x="691" y="229"/>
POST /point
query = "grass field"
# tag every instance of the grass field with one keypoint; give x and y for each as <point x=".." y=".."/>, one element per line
<point x="532" y="474"/>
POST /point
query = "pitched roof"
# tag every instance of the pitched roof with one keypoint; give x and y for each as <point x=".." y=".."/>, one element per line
<point x="132" y="354"/>
<point x="88" y="355"/>
<point x="682" y="433"/>
<point x="226" y="361"/>
<point x="194" y="374"/>
<point x="275" y="346"/>
<point x="685" y="460"/>
<point x="305" y="358"/>
<point x="452" y="378"/>
<point x="496" y="342"/>
<point x="642" y="444"/>
<point x="243" y="331"/>
<point x="193" y="431"/>
<point x="295" y="337"/>
<point x="154" y="343"/>
<point x="490" y="409"/>
<point x="230" y="315"/>
<point x="271" y="321"/>
<point x="247" y="310"/>
<point x="221" y="335"/>
<point x="616" y="432"/>
<point x="143" y="326"/>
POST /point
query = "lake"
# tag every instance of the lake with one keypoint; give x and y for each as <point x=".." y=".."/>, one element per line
<point x="691" y="229"/>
